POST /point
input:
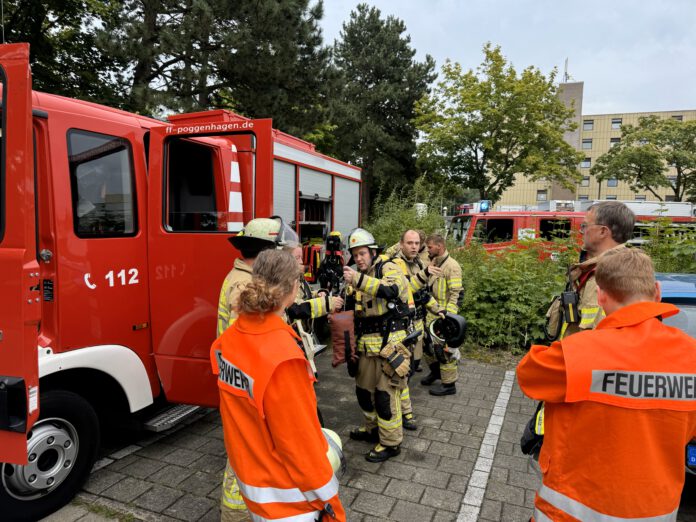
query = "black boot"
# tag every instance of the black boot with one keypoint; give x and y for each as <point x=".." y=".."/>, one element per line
<point x="433" y="376"/>
<point x="409" y="422"/>
<point x="381" y="453"/>
<point x="444" y="389"/>
<point x="367" y="436"/>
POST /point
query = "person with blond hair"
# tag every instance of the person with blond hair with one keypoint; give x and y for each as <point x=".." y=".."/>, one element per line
<point x="620" y="403"/>
<point x="267" y="403"/>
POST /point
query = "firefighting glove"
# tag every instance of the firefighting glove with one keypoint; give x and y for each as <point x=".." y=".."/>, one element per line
<point x="397" y="359"/>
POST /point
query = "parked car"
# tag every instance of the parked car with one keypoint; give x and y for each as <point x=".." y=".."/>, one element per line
<point x="680" y="289"/>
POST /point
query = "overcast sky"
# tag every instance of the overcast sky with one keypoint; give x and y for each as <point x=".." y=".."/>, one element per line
<point x="633" y="55"/>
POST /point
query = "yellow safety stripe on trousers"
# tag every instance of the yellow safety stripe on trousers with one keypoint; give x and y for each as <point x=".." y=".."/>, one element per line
<point x="405" y="394"/>
<point x="316" y="306"/>
<point x="580" y="511"/>
<point x="370" y="415"/>
<point x="268" y="495"/>
<point x="231" y="498"/>
<point x="452" y="365"/>
<point x="312" y="516"/>
<point x="396" y="419"/>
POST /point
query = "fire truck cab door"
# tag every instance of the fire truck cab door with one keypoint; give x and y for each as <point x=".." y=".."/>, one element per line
<point x="201" y="180"/>
<point x="20" y="304"/>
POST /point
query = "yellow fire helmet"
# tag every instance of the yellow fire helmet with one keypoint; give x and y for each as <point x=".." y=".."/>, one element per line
<point x="335" y="452"/>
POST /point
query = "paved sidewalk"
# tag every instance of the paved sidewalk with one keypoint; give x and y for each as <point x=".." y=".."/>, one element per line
<point x="177" y="475"/>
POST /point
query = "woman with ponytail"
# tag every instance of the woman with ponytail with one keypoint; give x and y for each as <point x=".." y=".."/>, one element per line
<point x="268" y="406"/>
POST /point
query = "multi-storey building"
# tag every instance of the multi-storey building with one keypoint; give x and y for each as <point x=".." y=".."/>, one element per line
<point x="594" y="135"/>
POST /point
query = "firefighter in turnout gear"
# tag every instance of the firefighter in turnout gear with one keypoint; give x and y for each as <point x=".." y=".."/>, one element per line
<point x="268" y="406"/>
<point x="409" y="254"/>
<point x="607" y="227"/>
<point x="620" y="404"/>
<point x="443" y="278"/>
<point x="258" y="235"/>
<point x="381" y="301"/>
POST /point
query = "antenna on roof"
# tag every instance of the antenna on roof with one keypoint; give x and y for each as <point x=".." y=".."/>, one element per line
<point x="566" y="76"/>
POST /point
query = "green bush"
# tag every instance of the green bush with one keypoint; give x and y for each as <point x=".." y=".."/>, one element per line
<point x="671" y="247"/>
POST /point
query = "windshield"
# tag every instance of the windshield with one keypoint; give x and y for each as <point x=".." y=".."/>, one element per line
<point x="459" y="228"/>
<point x="685" y="320"/>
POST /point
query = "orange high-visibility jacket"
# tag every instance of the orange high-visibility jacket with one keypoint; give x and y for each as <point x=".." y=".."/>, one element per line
<point x="269" y="418"/>
<point x="620" y="410"/>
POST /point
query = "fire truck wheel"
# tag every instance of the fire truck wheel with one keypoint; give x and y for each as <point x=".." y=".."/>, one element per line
<point x="62" y="447"/>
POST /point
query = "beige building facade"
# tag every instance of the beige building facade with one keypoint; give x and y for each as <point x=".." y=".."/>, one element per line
<point x="594" y="135"/>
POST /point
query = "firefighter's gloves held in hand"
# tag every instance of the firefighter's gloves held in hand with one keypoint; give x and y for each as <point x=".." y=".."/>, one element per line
<point x="336" y="303"/>
<point x="348" y="275"/>
<point x="397" y="359"/>
<point x="442" y="313"/>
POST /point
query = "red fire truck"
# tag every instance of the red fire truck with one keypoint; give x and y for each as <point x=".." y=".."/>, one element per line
<point x="113" y="245"/>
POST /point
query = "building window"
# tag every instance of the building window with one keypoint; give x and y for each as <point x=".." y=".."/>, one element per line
<point x="614" y="141"/>
<point x="585" y="181"/>
<point x="541" y="195"/>
<point x="670" y="197"/>
<point x="583" y="197"/>
<point x="103" y="185"/>
<point x="678" y="117"/>
<point x="611" y="197"/>
<point x="616" y="123"/>
<point x="612" y="182"/>
<point x="586" y="163"/>
<point x="588" y="125"/>
<point x="640" y="197"/>
<point x="587" y="144"/>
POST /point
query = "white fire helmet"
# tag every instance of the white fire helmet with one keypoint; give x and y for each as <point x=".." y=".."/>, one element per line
<point x="335" y="452"/>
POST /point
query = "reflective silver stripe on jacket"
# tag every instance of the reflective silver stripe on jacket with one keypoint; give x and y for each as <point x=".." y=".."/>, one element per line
<point x="312" y="516"/>
<point x="261" y="495"/>
<point x="582" y="512"/>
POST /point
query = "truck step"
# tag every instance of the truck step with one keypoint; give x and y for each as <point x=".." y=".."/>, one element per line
<point x="170" y="417"/>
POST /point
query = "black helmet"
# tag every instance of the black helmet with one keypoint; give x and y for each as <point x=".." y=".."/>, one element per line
<point x="449" y="330"/>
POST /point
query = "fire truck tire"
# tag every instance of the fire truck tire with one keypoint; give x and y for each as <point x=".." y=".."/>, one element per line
<point x="62" y="447"/>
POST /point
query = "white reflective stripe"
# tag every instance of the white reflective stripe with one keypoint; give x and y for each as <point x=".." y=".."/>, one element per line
<point x="304" y="517"/>
<point x="261" y="495"/>
<point x="582" y="512"/>
<point x="540" y="516"/>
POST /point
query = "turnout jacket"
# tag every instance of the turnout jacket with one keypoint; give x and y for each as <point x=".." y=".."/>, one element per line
<point x="306" y="306"/>
<point x="235" y="281"/>
<point x="446" y="288"/>
<point x="413" y="268"/>
<point x="269" y="418"/>
<point x="620" y="409"/>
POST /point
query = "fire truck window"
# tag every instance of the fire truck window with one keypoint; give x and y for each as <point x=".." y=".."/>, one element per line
<point x="554" y="228"/>
<point x="103" y="188"/>
<point x="494" y="230"/>
<point x="459" y="229"/>
<point x="191" y="187"/>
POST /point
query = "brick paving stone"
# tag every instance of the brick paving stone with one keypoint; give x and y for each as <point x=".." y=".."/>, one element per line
<point x="369" y="482"/>
<point x="359" y="462"/>
<point x="435" y="434"/>
<point x="347" y="495"/>
<point x="216" y="492"/>
<point x="505" y="493"/>
<point x="499" y="474"/>
<point x="372" y="503"/>
<point x="404" y="490"/>
<point x="458" y="483"/>
<point x="213" y="447"/>
<point x="409" y="512"/>
<point x="127" y="489"/>
<point x="69" y="513"/>
<point x="199" y="484"/>
<point x="459" y="467"/>
<point x="182" y="457"/>
<point x="397" y="470"/>
<point x="418" y="458"/>
<point x="208" y="463"/>
<point x="455" y="426"/>
<point x="156" y="451"/>
<point x="446" y="415"/>
<point x="512" y="462"/>
<point x="158" y="498"/>
<point x="491" y="509"/>
<point x="431" y="477"/>
<point x="430" y="422"/>
<point x="442" y="499"/>
<point x="190" y="507"/>
<point x="524" y="480"/>
<point x="95" y="517"/>
<point x="462" y="439"/>
<point x="514" y="513"/>
<point x="142" y="467"/>
<point x="211" y="516"/>
<point x="416" y="444"/>
<point x="101" y="480"/>
<point x="445" y="516"/>
<point x="445" y="450"/>
<point x="188" y="440"/>
<point x="170" y="475"/>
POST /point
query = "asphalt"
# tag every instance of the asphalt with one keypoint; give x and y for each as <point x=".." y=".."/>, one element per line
<point x="462" y="463"/>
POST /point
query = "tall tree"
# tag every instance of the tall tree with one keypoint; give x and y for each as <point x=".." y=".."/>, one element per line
<point x="374" y="104"/>
<point x="65" y="57"/>
<point x="480" y="128"/>
<point x="655" y="153"/>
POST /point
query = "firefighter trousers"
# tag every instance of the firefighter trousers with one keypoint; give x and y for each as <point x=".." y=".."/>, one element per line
<point x="448" y="370"/>
<point x="379" y="399"/>
<point x="406" y="406"/>
<point x="232" y="507"/>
